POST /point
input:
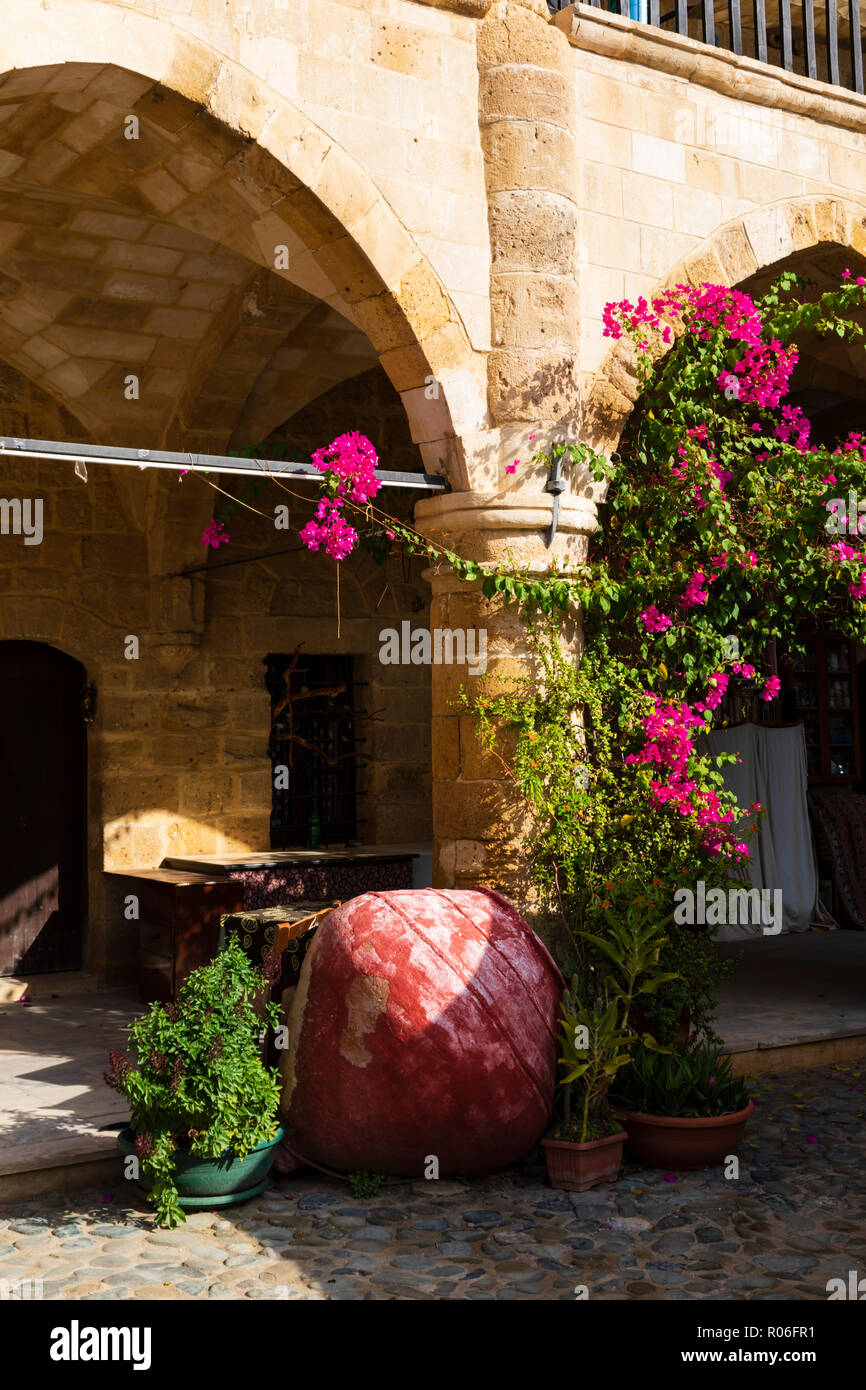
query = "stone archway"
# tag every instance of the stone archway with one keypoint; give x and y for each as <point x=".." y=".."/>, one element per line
<point x="236" y="164"/>
<point x="737" y="253"/>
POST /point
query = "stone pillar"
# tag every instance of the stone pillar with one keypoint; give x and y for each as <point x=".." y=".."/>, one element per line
<point x="528" y="119"/>
<point x="527" y="115"/>
<point x="481" y="827"/>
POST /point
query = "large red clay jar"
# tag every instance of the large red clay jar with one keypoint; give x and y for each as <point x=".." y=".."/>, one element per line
<point x="423" y="1028"/>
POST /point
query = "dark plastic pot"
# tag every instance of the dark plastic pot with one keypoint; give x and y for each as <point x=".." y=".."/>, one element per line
<point x="213" y="1182"/>
<point x="577" y="1167"/>
<point x="669" y="1141"/>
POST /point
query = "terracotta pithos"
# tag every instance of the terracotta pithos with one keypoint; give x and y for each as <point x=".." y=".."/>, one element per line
<point x="422" y="1036"/>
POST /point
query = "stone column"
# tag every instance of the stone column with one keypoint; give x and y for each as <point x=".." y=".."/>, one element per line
<point x="527" y="117"/>
<point x="481" y="826"/>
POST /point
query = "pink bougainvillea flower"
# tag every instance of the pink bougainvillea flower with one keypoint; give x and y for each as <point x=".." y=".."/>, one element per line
<point x="106" y="1197"/>
<point x="512" y="467"/>
<point x="653" y="620"/>
<point x="349" y="465"/>
<point x="811" y="1139"/>
<point x="671" y="1177"/>
<point x="694" y="593"/>
<point x="215" y="534"/>
<point x="771" y="689"/>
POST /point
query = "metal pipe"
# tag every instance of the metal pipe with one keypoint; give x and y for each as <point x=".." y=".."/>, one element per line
<point x="52" y="449"/>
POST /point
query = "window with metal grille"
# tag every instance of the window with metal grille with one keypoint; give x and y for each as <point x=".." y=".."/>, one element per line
<point x="313" y="749"/>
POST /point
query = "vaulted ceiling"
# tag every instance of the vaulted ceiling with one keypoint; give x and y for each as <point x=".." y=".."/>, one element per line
<point x="131" y="290"/>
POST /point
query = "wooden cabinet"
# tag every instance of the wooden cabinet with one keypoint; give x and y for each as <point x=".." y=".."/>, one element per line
<point x="820" y="691"/>
<point x="178" y="923"/>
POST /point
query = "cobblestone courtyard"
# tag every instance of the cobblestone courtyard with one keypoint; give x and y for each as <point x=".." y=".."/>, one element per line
<point x="795" y="1218"/>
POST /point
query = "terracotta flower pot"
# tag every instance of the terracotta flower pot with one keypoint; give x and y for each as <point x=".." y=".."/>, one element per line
<point x="576" y="1167"/>
<point x="672" y="1141"/>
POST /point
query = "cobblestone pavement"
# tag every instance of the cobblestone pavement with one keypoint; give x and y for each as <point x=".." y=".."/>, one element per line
<point x="795" y="1218"/>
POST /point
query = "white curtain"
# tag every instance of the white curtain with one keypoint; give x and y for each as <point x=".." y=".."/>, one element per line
<point x="772" y="770"/>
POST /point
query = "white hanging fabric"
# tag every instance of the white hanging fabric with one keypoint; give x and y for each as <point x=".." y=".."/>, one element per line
<point x="772" y="771"/>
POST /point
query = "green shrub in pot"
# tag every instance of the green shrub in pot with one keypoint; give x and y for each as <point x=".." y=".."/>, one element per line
<point x="691" y="1081"/>
<point x="596" y="1027"/>
<point x="196" y="1084"/>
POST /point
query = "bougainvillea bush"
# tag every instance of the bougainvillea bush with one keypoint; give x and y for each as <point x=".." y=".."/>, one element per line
<point x="724" y="528"/>
<point x="722" y="531"/>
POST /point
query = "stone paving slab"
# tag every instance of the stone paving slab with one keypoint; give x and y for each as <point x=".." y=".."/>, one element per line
<point x="56" y="1106"/>
<point x="793" y="1219"/>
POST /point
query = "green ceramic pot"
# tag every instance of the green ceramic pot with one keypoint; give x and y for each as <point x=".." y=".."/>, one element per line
<point x="214" y="1182"/>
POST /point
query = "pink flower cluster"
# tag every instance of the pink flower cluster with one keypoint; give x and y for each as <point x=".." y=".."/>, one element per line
<point x="772" y="686"/>
<point x="653" y="620"/>
<point x="349" y="463"/>
<point x="852" y="444"/>
<point x="669" y="745"/>
<point x="695" y="449"/>
<point x="627" y="317"/>
<point x="215" y="534"/>
<point x="694" y="593"/>
<point x="845" y="551"/>
<point x="847" y="554"/>
<point x="794" y="428"/>
<point x="330" y="529"/>
<point x="763" y="372"/>
<point x="718" y="684"/>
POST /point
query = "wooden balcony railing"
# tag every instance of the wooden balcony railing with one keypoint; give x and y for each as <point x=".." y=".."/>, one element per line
<point x="815" y="38"/>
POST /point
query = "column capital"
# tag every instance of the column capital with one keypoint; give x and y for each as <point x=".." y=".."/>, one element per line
<point x="509" y="528"/>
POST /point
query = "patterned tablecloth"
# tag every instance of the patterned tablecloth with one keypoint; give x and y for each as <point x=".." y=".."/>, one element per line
<point x="257" y="930"/>
<point x="273" y="886"/>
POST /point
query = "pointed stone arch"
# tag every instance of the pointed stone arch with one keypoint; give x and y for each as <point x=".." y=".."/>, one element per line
<point x="733" y="255"/>
<point x="353" y="251"/>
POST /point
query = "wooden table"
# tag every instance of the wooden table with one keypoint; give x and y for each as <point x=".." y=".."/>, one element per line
<point x="274" y="878"/>
<point x="178" y="923"/>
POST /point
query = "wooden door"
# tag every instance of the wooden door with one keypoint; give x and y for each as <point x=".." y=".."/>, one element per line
<point x="43" y="809"/>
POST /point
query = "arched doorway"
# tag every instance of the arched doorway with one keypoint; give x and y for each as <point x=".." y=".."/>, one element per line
<point x="43" y="812"/>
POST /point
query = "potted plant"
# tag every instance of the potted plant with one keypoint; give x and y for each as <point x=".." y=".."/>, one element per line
<point x="585" y="1147"/>
<point x="203" y="1129"/>
<point x="683" y="1109"/>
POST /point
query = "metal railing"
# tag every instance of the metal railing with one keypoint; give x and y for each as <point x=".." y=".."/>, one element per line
<point x="815" y="38"/>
